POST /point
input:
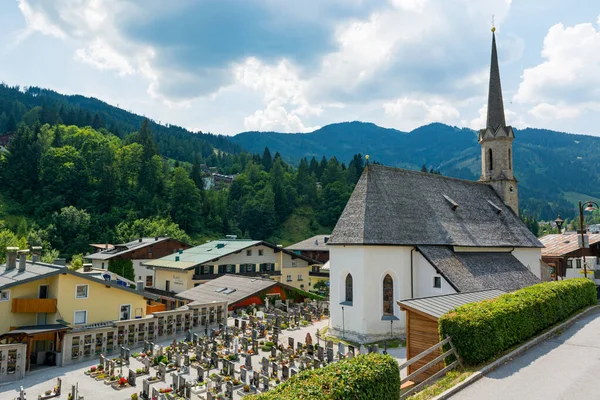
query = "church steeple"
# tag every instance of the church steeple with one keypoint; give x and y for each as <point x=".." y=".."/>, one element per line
<point x="495" y="110"/>
<point x="496" y="141"/>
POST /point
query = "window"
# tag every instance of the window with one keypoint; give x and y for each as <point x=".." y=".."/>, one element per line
<point x="81" y="291"/>
<point x="102" y="265"/>
<point x="43" y="292"/>
<point x="5" y="295"/>
<point x="139" y="278"/>
<point x="578" y="261"/>
<point x="388" y="295"/>
<point x="349" y="292"/>
<point x="288" y="278"/>
<point x="300" y="277"/>
<point x="231" y="269"/>
<point x="569" y="263"/>
<point x="80" y="317"/>
<point x="206" y="269"/>
<point x="509" y="160"/>
<point x="490" y="160"/>
<point x="149" y="280"/>
<point x="125" y="312"/>
<point x="437" y="282"/>
<point x="167" y="286"/>
<point x="260" y="252"/>
<point x="248" y="253"/>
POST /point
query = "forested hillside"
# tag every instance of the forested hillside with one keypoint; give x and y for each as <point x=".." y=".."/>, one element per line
<point x="554" y="169"/>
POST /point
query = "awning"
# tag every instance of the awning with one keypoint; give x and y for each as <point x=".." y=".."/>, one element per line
<point x="35" y="329"/>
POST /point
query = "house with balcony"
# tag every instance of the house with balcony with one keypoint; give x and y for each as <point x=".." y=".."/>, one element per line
<point x="564" y="254"/>
<point x="138" y="251"/>
<point x="41" y="302"/>
<point x="189" y="268"/>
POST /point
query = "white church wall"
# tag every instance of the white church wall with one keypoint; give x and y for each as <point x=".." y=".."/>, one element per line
<point x="362" y="321"/>
<point x="531" y="258"/>
<point x="423" y="275"/>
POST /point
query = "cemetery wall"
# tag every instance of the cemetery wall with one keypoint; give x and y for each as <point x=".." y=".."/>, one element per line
<point x="13" y="359"/>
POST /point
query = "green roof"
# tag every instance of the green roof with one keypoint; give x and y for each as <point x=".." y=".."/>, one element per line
<point x="202" y="254"/>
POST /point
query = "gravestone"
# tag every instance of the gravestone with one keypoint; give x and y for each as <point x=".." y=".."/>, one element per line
<point x="244" y="345"/>
<point x="299" y="347"/>
<point x="330" y="355"/>
<point x="200" y="370"/>
<point x="310" y="349"/>
<point x="162" y="371"/>
<point x="265" y="382"/>
<point x="214" y="359"/>
<point x="145" y="389"/>
<point x="209" y="396"/>
<point x="178" y="360"/>
<point x="229" y="389"/>
<point x="255" y="346"/>
<point x="248" y="363"/>
<point x="285" y="372"/>
<point x="195" y="338"/>
<point x="188" y="390"/>
<point x="293" y="371"/>
<point x="320" y="353"/>
<point x="316" y="364"/>
<point x="291" y="342"/>
<point x="243" y="375"/>
<point x="131" y="378"/>
<point x="276" y="338"/>
<point x="341" y="349"/>
<point x="273" y="351"/>
<point x="235" y="346"/>
<point x="350" y="351"/>
<point x="274" y="369"/>
<point x="244" y="326"/>
<point x="265" y="366"/>
<point x="188" y="336"/>
<point x="255" y="378"/>
<point x="254" y="335"/>
<point x="236" y="323"/>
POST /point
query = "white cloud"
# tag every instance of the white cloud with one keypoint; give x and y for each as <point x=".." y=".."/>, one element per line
<point x="410" y="113"/>
<point x="512" y="118"/>
<point x="38" y="22"/>
<point x="102" y="56"/>
<point x="570" y="70"/>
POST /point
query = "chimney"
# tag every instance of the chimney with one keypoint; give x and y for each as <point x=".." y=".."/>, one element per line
<point x="60" y="261"/>
<point x="139" y="286"/>
<point x="140" y="240"/>
<point x="326" y="239"/>
<point x="87" y="267"/>
<point x="36" y="254"/>
<point x="11" y="258"/>
<point x="156" y="238"/>
<point x="23" y="260"/>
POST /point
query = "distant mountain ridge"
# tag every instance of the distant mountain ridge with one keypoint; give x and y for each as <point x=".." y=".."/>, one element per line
<point x="548" y="164"/>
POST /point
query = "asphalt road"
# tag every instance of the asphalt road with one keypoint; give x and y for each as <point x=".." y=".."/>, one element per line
<point x="564" y="367"/>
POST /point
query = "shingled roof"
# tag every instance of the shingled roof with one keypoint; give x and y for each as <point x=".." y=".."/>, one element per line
<point x="472" y="271"/>
<point x="392" y="206"/>
<point x="558" y="245"/>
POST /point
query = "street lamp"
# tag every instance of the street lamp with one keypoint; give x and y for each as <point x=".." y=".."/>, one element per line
<point x="559" y="223"/>
<point x="589" y="206"/>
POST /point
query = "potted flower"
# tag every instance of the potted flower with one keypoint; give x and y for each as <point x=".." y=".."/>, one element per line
<point x="246" y="388"/>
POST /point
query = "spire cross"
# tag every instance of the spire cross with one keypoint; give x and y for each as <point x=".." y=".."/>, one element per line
<point x="493" y="25"/>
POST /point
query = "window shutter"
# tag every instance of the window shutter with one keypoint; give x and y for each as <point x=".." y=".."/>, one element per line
<point x="212" y="269"/>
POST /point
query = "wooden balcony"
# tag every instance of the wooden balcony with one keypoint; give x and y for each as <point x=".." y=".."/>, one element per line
<point x="155" y="307"/>
<point x="34" y="305"/>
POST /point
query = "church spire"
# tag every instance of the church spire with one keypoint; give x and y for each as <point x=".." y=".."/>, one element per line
<point x="495" y="110"/>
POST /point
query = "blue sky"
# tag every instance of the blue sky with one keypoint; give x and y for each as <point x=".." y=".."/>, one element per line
<point x="226" y="66"/>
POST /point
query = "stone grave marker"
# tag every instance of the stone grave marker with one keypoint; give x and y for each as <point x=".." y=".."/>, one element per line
<point x="200" y="370"/>
<point x="255" y="378"/>
<point x="254" y="335"/>
<point x="236" y="323"/>
<point x="188" y="335"/>
<point x="214" y="359"/>
<point x="243" y="375"/>
<point x="131" y="378"/>
<point x="236" y="344"/>
<point x="273" y="351"/>
<point x="209" y="396"/>
<point x="248" y="363"/>
<point x="265" y="382"/>
<point x="244" y="326"/>
<point x="274" y="369"/>
<point x="145" y="389"/>
<point x="285" y="372"/>
<point x="162" y="371"/>
<point x="293" y="371"/>
<point x="291" y="342"/>
<point x="229" y="389"/>
<point x="299" y="347"/>
<point x="329" y="355"/>
<point x="320" y="352"/>
<point x="188" y="391"/>
<point x="265" y="365"/>
<point x="316" y="364"/>
<point x="350" y="351"/>
<point x="255" y="346"/>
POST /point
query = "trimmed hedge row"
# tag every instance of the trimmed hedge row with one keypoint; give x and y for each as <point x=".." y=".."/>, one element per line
<point x="369" y="377"/>
<point x="481" y="331"/>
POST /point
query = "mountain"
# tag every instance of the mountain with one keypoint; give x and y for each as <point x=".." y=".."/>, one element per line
<point x="33" y="104"/>
<point x="554" y="169"/>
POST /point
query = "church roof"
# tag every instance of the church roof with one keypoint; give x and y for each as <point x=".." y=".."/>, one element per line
<point x="471" y="271"/>
<point x="392" y="206"/>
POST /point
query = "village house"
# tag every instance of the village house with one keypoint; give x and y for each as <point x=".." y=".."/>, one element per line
<point x="138" y="251"/>
<point x="564" y="254"/>
<point x="40" y="302"/>
<point x="186" y="269"/>
<point x="316" y="249"/>
<point x="406" y="234"/>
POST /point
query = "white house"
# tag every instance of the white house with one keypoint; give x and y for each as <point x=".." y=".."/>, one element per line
<point x="407" y="234"/>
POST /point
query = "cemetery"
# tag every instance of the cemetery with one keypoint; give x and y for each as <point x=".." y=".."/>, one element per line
<point x="256" y="352"/>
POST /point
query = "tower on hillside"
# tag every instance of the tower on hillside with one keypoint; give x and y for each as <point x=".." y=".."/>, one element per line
<point x="496" y="141"/>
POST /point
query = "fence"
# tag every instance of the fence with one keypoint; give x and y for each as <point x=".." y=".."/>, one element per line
<point x="421" y="385"/>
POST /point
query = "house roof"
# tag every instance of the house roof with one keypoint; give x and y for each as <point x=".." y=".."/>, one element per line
<point x="120" y="249"/>
<point x="242" y="287"/>
<point x="473" y="271"/>
<point x="392" y="206"/>
<point x="436" y="306"/>
<point x="315" y="243"/>
<point x="106" y="246"/>
<point x="35" y="329"/>
<point x="38" y="270"/>
<point x="99" y="274"/>
<point x="558" y="245"/>
<point x="212" y="251"/>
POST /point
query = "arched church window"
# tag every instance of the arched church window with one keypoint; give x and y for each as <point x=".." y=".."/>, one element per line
<point x="509" y="160"/>
<point x="349" y="290"/>
<point x="490" y="160"/>
<point x="388" y="295"/>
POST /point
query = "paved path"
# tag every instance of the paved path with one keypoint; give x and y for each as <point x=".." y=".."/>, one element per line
<point x="565" y="367"/>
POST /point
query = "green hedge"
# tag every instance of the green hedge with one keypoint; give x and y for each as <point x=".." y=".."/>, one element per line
<point x="369" y="377"/>
<point x="483" y="330"/>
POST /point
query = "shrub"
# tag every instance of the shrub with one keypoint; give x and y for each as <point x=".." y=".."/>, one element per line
<point x="481" y="331"/>
<point x="134" y="396"/>
<point x="370" y="376"/>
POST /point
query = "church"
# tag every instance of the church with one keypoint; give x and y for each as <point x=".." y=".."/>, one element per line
<point x="407" y="234"/>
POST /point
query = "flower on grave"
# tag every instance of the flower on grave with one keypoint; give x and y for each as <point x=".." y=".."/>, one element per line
<point x="143" y="355"/>
<point x="122" y="381"/>
<point x="93" y="368"/>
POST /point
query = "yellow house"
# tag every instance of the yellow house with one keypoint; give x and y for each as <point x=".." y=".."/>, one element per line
<point x="39" y="302"/>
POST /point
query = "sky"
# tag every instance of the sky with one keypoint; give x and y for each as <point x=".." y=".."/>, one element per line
<point x="228" y="66"/>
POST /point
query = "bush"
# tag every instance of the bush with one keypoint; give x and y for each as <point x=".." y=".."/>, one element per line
<point x="483" y="330"/>
<point x="370" y="376"/>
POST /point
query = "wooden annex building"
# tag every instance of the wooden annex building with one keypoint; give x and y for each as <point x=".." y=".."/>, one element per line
<point x="422" y="316"/>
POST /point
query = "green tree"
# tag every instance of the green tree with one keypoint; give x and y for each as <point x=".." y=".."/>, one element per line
<point x="186" y="201"/>
<point x="123" y="268"/>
